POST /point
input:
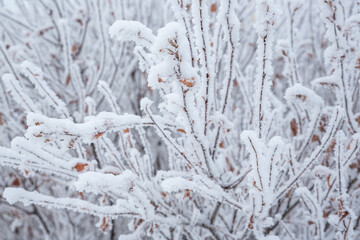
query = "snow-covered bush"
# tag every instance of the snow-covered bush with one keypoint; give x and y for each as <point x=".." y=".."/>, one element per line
<point x="180" y="119"/>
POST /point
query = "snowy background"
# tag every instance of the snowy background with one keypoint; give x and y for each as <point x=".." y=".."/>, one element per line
<point x="180" y="119"/>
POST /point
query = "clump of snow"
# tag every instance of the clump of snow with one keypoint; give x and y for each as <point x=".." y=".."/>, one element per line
<point x="135" y="31"/>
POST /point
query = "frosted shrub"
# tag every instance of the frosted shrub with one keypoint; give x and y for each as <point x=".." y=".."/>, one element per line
<point x="184" y="119"/>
